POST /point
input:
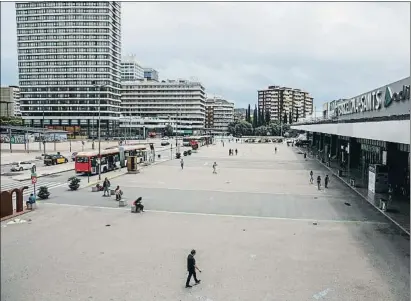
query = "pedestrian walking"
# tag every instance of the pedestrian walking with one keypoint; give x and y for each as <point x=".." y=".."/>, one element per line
<point x="182" y="163"/>
<point x="191" y="268"/>
<point x="275" y="149"/>
<point x="106" y="187"/>
<point x="215" y="167"/>
<point x="236" y="152"/>
<point x="326" y="180"/>
<point x="311" y="177"/>
<point x="229" y="152"/>
<point x="319" y="182"/>
<point x="305" y="156"/>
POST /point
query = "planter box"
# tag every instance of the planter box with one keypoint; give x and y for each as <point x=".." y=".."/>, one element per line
<point x="122" y="203"/>
<point x="94" y="189"/>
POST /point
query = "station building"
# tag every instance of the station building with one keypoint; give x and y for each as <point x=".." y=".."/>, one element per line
<point x="367" y="132"/>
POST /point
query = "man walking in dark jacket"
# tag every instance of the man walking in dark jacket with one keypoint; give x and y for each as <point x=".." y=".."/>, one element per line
<point x="191" y="268"/>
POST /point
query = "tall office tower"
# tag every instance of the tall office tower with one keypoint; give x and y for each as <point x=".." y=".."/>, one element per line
<point x="131" y="69"/>
<point x="283" y="101"/>
<point x="69" y="58"/>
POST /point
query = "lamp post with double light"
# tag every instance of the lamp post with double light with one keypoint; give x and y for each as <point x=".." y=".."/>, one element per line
<point x="99" y="131"/>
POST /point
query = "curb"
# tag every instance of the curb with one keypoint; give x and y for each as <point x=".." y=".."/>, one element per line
<point x="95" y="182"/>
<point x="45" y="175"/>
<point x="116" y="176"/>
<point x="362" y="196"/>
<point x="14" y="215"/>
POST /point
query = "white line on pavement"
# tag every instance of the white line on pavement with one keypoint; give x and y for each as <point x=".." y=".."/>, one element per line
<point x="236" y="191"/>
<point x="222" y="215"/>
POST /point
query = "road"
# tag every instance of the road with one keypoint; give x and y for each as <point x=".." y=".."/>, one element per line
<point x="261" y="231"/>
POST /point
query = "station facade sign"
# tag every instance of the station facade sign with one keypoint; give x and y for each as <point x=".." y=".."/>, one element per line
<point x="392" y="99"/>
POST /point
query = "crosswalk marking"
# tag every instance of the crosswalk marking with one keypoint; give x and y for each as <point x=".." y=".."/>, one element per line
<point x="11" y="185"/>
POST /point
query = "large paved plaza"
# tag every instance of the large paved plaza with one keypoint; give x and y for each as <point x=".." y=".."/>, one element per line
<point x="261" y="232"/>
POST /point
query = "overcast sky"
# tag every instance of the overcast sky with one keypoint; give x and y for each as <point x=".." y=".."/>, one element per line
<point x="332" y="50"/>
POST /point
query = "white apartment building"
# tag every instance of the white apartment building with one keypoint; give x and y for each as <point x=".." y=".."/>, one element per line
<point x="131" y="69"/>
<point x="69" y="56"/>
<point x="153" y="105"/>
<point x="219" y="113"/>
<point x="10" y="101"/>
<point x="280" y="101"/>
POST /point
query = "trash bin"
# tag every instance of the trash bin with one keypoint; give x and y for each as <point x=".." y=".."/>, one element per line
<point x="340" y="173"/>
<point x="352" y="182"/>
<point x="178" y="155"/>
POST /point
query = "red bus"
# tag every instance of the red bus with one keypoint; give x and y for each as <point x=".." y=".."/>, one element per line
<point x="112" y="158"/>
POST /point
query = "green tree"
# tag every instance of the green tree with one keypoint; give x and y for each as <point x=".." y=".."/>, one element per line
<point x="255" y="117"/>
<point x="267" y="117"/>
<point x="275" y="128"/>
<point x="168" y="131"/>
<point x="11" y="120"/>
<point x="231" y="127"/>
<point x="248" y="119"/>
<point x="262" y="130"/>
<point x="262" y="122"/>
<point x="240" y="128"/>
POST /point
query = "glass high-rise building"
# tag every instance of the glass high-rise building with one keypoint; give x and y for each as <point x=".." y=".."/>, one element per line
<point x="69" y="59"/>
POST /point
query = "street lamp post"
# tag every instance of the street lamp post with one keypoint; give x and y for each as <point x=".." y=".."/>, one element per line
<point x="44" y="140"/>
<point x="99" y="128"/>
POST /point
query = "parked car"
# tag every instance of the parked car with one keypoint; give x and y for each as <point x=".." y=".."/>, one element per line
<point x="165" y="143"/>
<point x="54" y="159"/>
<point x="73" y="156"/>
<point x="21" y="165"/>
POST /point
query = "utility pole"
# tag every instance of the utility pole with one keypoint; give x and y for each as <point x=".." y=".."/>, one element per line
<point x="44" y="128"/>
<point x="99" y="127"/>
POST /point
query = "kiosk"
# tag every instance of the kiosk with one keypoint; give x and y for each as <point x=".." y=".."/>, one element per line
<point x="132" y="164"/>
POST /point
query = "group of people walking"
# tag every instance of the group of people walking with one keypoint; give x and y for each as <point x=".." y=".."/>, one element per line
<point x="231" y="152"/>
<point x="326" y="180"/>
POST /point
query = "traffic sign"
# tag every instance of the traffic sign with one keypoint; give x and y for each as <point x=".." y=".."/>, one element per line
<point x="33" y="180"/>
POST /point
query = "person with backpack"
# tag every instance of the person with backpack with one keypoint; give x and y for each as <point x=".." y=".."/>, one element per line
<point x="319" y="182"/>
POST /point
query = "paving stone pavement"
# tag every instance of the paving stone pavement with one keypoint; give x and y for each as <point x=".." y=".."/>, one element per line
<point x="262" y="232"/>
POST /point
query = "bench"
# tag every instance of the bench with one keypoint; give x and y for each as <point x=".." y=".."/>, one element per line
<point x="31" y="206"/>
<point x="134" y="209"/>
